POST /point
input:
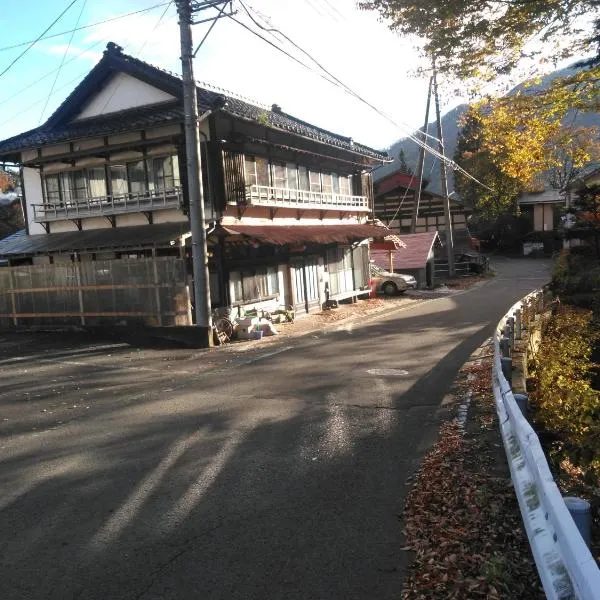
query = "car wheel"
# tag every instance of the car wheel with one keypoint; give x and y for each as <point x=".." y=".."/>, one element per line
<point x="389" y="288"/>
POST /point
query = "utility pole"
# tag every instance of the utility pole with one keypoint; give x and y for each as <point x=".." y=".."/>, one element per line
<point x="194" y="175"/>
<point x="421" y="164"/>
<point x="444" y="180"/>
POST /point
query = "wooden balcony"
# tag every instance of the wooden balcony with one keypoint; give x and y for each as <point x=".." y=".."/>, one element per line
<point x="263" y="195"/>
<point x="106" y="206"/>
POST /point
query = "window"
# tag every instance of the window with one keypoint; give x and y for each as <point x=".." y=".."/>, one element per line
<point x="52" y="189"/>
<point x="163" y="173"/>
<point x="315" y="181"/>
<point x="336" y="183"/>
<point x="97" y="182"/>
<point x="250" y="170"/>
<point x="73" y="186"/>
<point x="303" y="181"/>
<point x="137" y="177"/>
<point x="346" y="185"/>
<point x="279" y="175"/>
<point x="118" y="179"/>
<point x="327" y="183"/>
<point x="292" y="176"/>
<point x="253" y="284"/>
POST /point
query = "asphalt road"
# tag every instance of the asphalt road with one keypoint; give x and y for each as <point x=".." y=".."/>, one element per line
<point x="280" y="474"/>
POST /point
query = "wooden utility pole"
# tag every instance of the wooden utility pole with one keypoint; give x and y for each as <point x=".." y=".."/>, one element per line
<point x="444" y="180"/>
<point x="421" y="164"/>
<point x="202" y="305"/>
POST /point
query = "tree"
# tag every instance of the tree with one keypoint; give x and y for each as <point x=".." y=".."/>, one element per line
<point x="501" y="198"/>
<point x="487" y="38"/>
<point x="583" y="217"/>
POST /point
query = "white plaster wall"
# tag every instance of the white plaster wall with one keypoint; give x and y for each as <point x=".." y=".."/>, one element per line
<point x="169" y="216"/>
<point x="122" y="92"/>
<point x="132" y="219"/>
<point x="88" y="143"/>
<point x="32" y="183"/>
<point x="163" y="149"/>
<point x="61" y="226"/>
<point x="121" y="138"/>
<point x="28" y="155"/>
<point x="56" y="149"/>
<point x="95" y="223"/>
<point x="162" y="131"/>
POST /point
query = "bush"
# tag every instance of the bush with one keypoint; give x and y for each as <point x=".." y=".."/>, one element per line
<point x="566" y="402"/>
<point x="575" y="271"/>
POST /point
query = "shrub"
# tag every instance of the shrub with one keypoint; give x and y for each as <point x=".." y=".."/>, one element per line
<point x="566" y="401"/>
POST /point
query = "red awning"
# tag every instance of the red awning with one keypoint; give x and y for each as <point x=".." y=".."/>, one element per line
<point x="304" y="234"/>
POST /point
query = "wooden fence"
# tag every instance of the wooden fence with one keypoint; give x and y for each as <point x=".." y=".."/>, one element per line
<point x="150" y="292"/>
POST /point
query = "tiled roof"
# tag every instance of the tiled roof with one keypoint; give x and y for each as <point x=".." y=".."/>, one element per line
<point x="93" y="239"/>
<point x="127" y="120"/>
<point x="58" y="128"/>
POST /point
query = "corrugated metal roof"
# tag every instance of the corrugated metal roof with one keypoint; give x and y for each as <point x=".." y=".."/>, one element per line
<point x="301" y="234"/>
<point x="414" y="256"/>
<point x="95" y="239"/>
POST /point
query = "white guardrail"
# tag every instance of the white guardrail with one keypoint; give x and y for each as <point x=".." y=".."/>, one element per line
<point x="564" y="562"/>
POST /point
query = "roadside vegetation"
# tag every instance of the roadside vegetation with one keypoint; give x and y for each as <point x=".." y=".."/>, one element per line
<point x="462" y="521"/>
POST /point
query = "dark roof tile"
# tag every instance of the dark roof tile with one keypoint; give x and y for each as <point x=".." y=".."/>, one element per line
<point x="59" y="128"/>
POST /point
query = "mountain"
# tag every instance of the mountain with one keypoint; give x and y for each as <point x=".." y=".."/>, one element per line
<point x="450" y="128"/>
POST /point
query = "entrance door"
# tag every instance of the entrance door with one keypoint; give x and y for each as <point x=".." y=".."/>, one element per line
<point x="306" y="285"/>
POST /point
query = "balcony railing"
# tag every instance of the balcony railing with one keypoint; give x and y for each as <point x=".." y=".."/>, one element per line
<point x="150" y="200"/>
<point x="264" y="195"/>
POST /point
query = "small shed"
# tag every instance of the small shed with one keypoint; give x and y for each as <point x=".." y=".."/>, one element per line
<point x="415" y="258"/>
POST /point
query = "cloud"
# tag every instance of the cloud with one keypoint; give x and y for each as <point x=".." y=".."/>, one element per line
<point x="75" y="52"/>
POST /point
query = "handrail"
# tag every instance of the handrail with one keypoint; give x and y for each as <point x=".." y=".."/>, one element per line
<point x="566" y="567"/>
<point x="265" y="195"/>
<point x="108" y="205"/>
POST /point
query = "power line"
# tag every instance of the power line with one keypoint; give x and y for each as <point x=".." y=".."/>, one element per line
<point x="264" y="39"/>
<point x="34" y="83"/>
<point x="212" y="25"/>
<point x="351" y="92"/>
<point x="341" y="83"/>
<point x="34" y="42"/>
<point x="54" y="35"/>
<point x="335" y="10"/>
<point x="139" y="52"/>
<point x="62" y="62"/>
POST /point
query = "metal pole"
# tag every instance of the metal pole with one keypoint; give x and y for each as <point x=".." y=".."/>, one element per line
<point x="421" y="164"/>
<point x="194" y="175"/>
<point x="444" y="180"/>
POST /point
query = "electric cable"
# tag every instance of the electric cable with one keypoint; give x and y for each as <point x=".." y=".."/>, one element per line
<point x="34" y="42"/>
<point x="62" y="62"/>
<point x="451" y="163"/>
<point x="88" y="26"/>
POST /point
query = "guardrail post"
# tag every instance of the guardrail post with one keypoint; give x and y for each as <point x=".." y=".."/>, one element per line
<point x="505" y="346"/>
<point x="518" y="324"/>
<point x="511" y="331"/>
<point x="507" y="368"/>
<point x="581" y="511"/>
<point x="522" y="401"/>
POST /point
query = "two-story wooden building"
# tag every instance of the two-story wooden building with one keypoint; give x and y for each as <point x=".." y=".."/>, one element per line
<point x="107" y="208"/>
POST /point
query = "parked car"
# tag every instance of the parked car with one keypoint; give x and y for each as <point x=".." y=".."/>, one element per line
<point x="476" y="263"/>
<point x="390" y="283"/>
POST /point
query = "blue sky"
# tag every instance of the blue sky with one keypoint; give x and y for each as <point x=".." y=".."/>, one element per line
<point x="354" y="45"/>
<point x="359" y="49"/>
